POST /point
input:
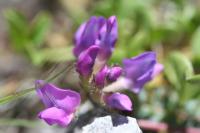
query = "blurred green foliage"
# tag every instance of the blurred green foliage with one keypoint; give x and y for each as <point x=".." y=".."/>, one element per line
<point x="28" y="38"/>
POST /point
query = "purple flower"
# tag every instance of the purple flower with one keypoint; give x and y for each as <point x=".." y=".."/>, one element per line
<point x="141" y="69"/>
<point x="86" y="61"/>
<point x="115" y="73"/>
<point x="60" y="104"/>
<point x="97" y="31"/>
<point x="137" y="71"/>
<point x="118" y="101"/>
<point x="107" y="74"/>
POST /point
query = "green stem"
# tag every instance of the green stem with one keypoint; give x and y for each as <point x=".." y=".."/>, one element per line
<point x="56" y="75"/>
<point x="15" y="95"/>
<point x="19" y="122"/>
<point x="19" y="94"/>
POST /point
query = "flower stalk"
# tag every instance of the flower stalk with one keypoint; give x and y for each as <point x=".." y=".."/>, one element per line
<point x="24" y="92"/>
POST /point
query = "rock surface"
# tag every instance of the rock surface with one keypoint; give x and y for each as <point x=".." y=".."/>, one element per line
<point x="113" y="124"/>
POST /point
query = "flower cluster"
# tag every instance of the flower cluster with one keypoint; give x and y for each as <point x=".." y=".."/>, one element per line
<point x="94" y="43"/>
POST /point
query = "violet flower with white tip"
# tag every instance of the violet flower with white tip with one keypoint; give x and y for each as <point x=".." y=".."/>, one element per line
<point x="61" y="104"/>
<point x="137" y="72"/>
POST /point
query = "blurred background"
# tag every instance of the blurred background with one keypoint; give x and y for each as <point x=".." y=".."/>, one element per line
<point x="36" y="39"/>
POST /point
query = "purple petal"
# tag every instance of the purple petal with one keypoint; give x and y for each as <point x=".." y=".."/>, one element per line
<point x="140" y="69"/>
<point x="139" y="83"/>
<point x="78" y="34"/>
<point x="55" y="115"/>
<point x="53" y="96"/>
<point x="87" y="34"/>
<point x="112" y="31"/>
<point x="86" y="60"/>
<point x="39" y="85"/>
<point x="115" y="73"/>
<point x="118" y="101"/>
<point x="107" y="38"/>
<point x="100" y="77"/>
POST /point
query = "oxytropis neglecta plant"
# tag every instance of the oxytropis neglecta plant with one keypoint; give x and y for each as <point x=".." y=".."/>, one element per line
<point x="94" y="43"/>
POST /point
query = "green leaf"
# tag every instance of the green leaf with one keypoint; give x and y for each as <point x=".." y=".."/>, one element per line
<point x="40" y="27"/>
<point x="18" y="28"/>
<point x="177" y="69"/>
<point x="139" y="41"/>
<point x="15" y="96"/>
<point x="195" y="43"/>
<point x="194" y="79"/>
<point x="41" y="56"/>
<point x="34" y="54"/>
<point x="193" y="87"/>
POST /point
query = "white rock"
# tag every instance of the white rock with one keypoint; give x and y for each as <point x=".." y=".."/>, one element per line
<point x="114" y="124"/>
